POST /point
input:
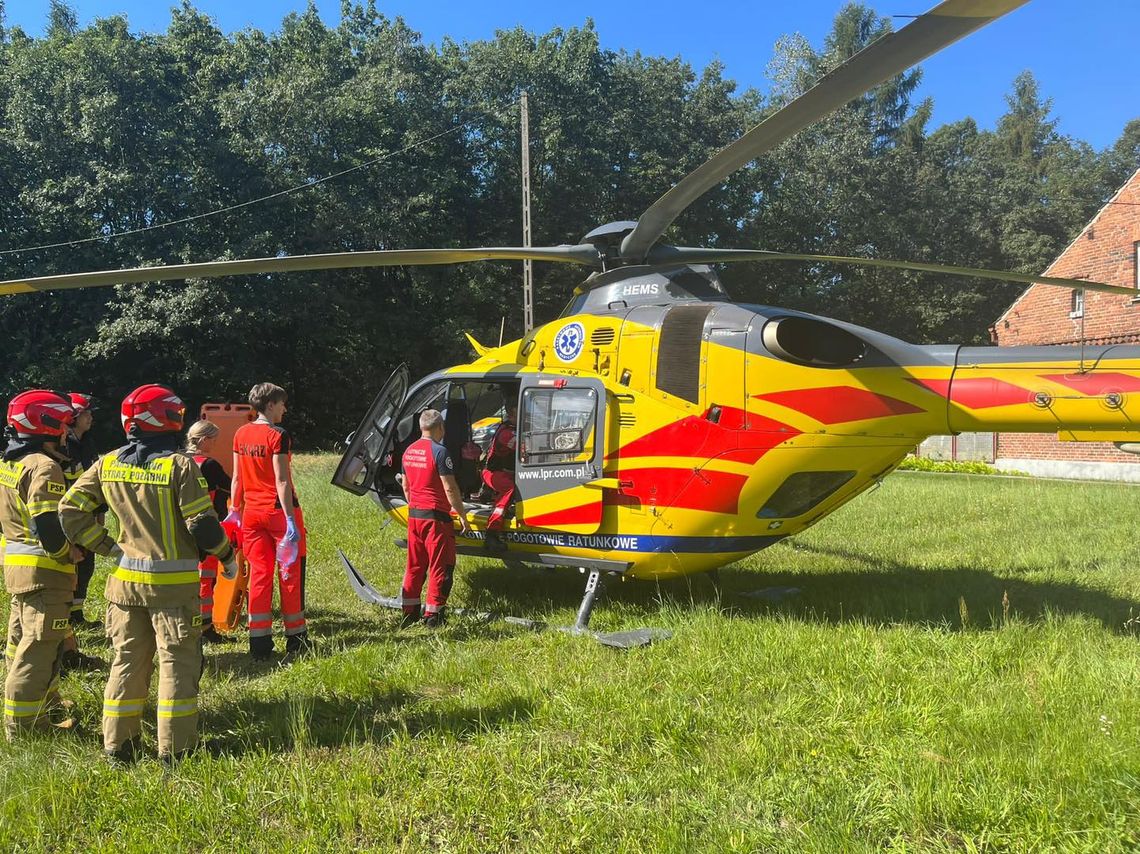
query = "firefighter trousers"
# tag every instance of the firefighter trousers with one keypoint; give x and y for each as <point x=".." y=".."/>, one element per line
<point x="431" y="553"/>
<point x="137" y="633"/>
<point x="261" y="532"/>
<point x="37" y="625"/>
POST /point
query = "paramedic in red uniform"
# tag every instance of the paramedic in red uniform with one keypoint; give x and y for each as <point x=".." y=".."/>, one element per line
<point x="499" y="475"/>
<point x="264" y="499"/>
<point x="432" y="493"/>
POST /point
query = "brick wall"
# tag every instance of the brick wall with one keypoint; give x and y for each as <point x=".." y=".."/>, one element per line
<point x="1046" y="446"/>
<point x="1105" y="251"/>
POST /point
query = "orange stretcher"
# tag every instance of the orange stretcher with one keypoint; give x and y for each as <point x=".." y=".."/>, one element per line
<point x="231" y="594"/>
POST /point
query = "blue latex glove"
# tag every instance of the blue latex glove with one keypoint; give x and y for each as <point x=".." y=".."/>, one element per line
<point x="234" y="517"/>
<point x="291" y="530"/>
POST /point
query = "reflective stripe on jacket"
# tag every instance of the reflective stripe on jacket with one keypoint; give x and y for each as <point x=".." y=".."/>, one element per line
<point x="29" y="487"/>
<point x="156" y="505"/>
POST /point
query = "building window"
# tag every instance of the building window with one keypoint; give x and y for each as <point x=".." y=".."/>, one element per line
<point x="1136" y="262"/>
<point x="1077" y="303"/>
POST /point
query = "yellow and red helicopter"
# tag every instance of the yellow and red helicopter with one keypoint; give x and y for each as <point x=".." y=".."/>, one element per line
<point x="664" y="429"/>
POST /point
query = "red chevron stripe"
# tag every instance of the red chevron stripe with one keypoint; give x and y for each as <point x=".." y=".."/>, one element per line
<point x="840" y="404"/>
<point x="1095" y="383"/>
<point x="711" y="491"/>
<point x="978" y="392"/>
<point x="698" y="437"/>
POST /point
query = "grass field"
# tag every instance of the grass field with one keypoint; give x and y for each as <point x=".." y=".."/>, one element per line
<point x="960" y="671"/>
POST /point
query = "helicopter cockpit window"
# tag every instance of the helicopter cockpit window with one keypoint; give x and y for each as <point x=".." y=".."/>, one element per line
<point x="557" y="425"/>
<point x="801" y="492"/>
<point x="431" y="396"/>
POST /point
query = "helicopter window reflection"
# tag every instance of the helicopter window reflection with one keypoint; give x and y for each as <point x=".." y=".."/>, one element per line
<point x="801" y="492"/>
<point x="557" y="425"/>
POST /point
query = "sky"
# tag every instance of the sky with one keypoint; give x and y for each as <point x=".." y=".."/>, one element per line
<point x="1082" y="53"/>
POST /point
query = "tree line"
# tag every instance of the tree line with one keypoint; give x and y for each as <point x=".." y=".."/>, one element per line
<point x="110" y="132"/>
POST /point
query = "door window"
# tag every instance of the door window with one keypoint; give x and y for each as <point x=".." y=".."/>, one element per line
<point x="557" y="426"/>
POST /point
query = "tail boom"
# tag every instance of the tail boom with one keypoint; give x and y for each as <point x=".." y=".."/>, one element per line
<point x="1081" y="394"/>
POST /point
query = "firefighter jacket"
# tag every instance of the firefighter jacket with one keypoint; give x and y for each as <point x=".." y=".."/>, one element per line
<point x="165" y="516"/>
<point x="32" y="486"/>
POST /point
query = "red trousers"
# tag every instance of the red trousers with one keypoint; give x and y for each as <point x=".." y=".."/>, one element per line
<point x="503" y="482"/>
<point x="262" y="530"/>
<point x="431" y="553"/>
<point x="207" y="578"/>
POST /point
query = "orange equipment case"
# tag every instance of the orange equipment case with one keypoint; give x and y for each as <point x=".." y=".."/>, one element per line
<point x="229" y="417"/>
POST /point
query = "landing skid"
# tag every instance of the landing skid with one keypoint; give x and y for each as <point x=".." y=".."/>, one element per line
<point x="594" y="585"/>
<point x="369" y="594"/>
<point x="618" y="640"/>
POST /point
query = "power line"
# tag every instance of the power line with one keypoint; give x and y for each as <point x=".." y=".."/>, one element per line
<point x="244" y="204"/>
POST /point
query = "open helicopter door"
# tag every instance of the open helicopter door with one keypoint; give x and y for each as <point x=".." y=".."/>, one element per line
<point x="561" y="439"/>
<point x="370" y="446"/>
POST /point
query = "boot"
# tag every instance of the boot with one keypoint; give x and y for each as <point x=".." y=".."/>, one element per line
<point x="297" y="646"/>
<point x="493" y="542"/>
<point x="212" y="635"/>
<point x="74" y="661"/>
<point x="127" y="754"/>
<point x="436" y="619"/>
<point x="261" y="648"/>
<point x="77" y="620"/>
<point x="410" y="618"/>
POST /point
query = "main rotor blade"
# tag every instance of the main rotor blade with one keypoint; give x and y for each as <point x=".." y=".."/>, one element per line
<point x="665" y="255"/>
<point x="890" y="55"/>
<point x="581" y="254"/>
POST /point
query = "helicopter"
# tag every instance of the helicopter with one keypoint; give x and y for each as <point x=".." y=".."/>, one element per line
<point x="664" y="429"/>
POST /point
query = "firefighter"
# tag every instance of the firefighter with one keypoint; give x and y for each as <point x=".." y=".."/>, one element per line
<point x="77" y="457"/>
<point x="499" y="475"/>
<point x="432" y="492"/>
<point x="39" y="562"/>
<point x="271" y="524"/>
<point x="200" y="441"/>
<point x="165" y="517"/>
<point x="81" y="455"/>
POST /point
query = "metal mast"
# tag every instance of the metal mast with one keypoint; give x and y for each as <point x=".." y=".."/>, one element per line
<point x="528" y="267"/>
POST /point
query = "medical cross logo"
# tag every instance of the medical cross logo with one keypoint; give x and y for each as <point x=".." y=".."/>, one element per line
<point x="568" y="341"/>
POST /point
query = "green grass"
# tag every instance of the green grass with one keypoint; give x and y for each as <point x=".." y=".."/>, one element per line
<point x="895" y="703"/>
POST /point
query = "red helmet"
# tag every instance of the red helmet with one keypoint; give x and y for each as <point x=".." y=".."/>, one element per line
<point x="153" y="409"/>
<point x="40" y="413"/>
<point x="81" y="402"/>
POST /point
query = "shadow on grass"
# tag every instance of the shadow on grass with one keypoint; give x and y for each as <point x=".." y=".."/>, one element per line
<point x="957" y="597"/>
<point x="255" y="726"/>
<point x="873" y="591"/>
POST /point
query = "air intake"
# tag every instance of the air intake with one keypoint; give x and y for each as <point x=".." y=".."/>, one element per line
<point x="603" y="336"/>
<point x="679" y="352"/>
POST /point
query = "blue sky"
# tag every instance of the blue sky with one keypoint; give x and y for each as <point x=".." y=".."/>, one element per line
<point x="1083" y="54"/>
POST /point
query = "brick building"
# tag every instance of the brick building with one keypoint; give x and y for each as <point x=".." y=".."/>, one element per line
<point x="1107" y="250"/>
